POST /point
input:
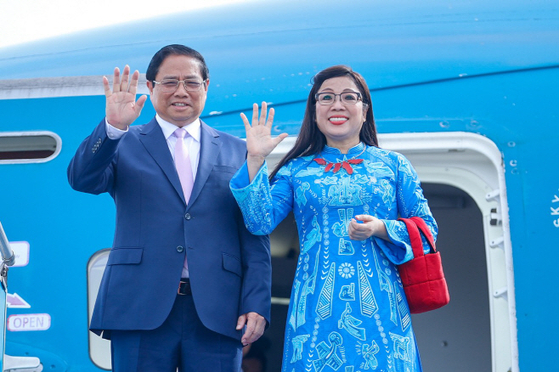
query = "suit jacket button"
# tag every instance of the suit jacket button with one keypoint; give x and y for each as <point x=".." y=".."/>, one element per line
<point x="180" y="249"/>
<point x="187" y="216"/>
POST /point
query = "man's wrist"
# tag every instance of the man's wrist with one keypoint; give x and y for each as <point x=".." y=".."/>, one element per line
<point x="113" y="132"/>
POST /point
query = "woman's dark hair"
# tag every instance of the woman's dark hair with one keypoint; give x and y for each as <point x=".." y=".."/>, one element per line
<point x="175" y="49"/>
<point x="311" y="140"/>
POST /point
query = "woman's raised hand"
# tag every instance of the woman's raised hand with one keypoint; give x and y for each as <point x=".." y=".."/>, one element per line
<point x="121" y="106"/>
<point x="259" y="137"/>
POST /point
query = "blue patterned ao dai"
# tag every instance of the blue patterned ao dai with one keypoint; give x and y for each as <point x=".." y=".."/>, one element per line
<point x="348" y="311"/>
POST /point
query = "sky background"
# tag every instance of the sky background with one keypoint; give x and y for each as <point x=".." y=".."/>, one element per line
<point x="27" y="20"/>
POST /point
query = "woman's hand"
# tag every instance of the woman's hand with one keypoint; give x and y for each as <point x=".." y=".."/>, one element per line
<point x="259" y="138"/>
<point x="259" y="135"/>
<point x="369" y="226"/>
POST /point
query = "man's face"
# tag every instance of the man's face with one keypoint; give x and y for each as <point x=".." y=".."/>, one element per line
<point x="179" y="107"/>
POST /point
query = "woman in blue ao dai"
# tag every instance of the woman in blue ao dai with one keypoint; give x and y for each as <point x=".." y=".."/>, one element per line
<point x="348" y="310"/>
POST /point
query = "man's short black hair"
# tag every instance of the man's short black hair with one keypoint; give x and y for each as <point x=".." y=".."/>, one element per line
<point x="175" y="49"/>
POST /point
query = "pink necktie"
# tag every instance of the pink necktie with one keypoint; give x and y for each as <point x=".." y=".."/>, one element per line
<point x="182" y="162"/>
<point x="184" y="169"/>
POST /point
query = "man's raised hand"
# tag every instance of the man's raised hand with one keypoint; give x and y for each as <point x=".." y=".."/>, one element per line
<point x="121" y="106"/>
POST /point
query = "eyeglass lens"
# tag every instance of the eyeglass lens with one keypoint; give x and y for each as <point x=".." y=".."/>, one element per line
<point x="170" y="85"/>
<point x="346" y="97"/>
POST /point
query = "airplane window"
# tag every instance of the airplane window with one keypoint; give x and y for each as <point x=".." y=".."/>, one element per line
<point x="28" y="147"/>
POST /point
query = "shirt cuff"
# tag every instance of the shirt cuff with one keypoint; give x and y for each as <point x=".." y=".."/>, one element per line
<point x="113" y="132"/>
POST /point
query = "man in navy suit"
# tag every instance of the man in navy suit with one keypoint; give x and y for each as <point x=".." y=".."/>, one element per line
<point x="186" y="285"/>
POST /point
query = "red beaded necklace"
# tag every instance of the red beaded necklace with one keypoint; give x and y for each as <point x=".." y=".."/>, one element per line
<point x="345" y="164"/>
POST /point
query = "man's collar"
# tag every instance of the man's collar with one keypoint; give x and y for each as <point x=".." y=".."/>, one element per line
<point x="168" y="128"/>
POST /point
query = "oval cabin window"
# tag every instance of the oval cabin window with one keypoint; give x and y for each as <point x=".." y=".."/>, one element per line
<point x="28" y="147"/>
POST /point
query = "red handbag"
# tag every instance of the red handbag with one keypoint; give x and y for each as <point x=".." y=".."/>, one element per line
<point x="423" y="277"/>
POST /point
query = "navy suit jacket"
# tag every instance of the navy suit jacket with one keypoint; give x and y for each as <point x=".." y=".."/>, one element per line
<point x="230" y="270"/>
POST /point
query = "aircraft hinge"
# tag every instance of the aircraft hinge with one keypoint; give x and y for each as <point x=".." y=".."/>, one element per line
<point x="497" y="243"/>
<point x="492" y="195"/>
<point x="495" y="217"/>
<point x="501" y="292"/>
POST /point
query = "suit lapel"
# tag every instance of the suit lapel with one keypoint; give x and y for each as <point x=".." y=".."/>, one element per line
<point x="155" y="143"/>
<point x="210" y="146"/>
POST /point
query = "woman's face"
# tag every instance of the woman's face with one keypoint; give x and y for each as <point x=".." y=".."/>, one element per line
<point x="340" y="121"/>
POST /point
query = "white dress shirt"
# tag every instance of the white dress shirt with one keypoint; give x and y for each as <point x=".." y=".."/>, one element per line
<point x="192" y="141"/>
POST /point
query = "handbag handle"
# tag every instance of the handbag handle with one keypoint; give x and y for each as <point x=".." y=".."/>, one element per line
<point x="415" y="226"/>
<point x="424" y="229"/>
